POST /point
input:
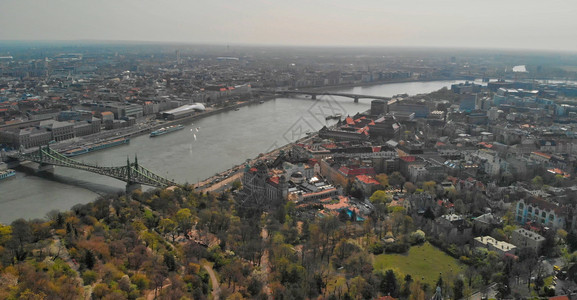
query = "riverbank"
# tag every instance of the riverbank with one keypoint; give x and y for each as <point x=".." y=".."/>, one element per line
<point x="128" y="133"/>
<point x="375" y="83"/>
<point x="223" y="141"/>
<point x="218" y="178"/>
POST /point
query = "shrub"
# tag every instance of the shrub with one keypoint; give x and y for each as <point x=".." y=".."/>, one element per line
<point x="89" y="277"/>
<point x="397" y="247"/>
<point x="376" y="248"/>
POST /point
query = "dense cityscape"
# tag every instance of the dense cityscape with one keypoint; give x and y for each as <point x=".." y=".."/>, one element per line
<point x="462" y="192"/>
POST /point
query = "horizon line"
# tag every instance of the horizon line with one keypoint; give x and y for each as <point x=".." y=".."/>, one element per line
<point x="273" y="45"/>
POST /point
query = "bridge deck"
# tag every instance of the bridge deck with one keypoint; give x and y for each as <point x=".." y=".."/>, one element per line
<point x="313" y="93"/>
<point x="131" y="173"/>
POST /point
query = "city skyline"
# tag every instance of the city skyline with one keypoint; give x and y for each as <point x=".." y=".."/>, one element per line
<point x="515" y="24"/>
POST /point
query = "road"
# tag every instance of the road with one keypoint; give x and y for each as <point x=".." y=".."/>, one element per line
<point x="222" y="184"/>
<point x="214" y="280"/>
<point x="209" y="184"/>
<point x="265" y="265"/>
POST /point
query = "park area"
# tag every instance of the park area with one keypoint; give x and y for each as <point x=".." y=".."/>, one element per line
<point x="423" y="263"/>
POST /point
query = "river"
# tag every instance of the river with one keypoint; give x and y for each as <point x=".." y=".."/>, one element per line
<point x="222" y="141"/>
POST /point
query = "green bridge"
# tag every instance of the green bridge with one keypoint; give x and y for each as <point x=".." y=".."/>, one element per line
<point x="132" y="173"/>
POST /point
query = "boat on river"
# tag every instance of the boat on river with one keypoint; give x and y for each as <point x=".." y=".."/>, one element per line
<point x="166" y="130"/>
<point x="95" y="147"/>
<point x="7" y="173"/>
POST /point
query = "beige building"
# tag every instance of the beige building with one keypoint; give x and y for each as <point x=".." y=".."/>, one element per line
<point x="60" y="130"/>
<point x="26" y="137"/>
<point x="492" y="244"/>
<point x="524" y="238"/>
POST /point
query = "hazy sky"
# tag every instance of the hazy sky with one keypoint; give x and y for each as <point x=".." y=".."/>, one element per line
<point x="525" y="24"/>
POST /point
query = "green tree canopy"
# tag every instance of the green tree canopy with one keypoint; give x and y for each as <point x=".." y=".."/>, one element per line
<point x="379" y="197"/>
<point x="383" y="179"/>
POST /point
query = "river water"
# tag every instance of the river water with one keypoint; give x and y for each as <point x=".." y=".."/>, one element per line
<point x="222" y="141"/>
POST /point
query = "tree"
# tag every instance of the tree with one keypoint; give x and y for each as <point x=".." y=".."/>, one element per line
<point x="397" y="180"/>
<point x="184" y="220"/>
<point x="460" y="207"/>
<point x="89" y="259"/>
<point x="458" y="287"/>
<point x="429" y="214"/>
<point x="21" y="237"/>
<point x="550" y="247"/>
<point x="389" y="284"/>
<point x="236" y="185"/>
<point x="168" y="226"/>
<point x="89" y="277"/>
<point x="417" y="292"/>
<point x="383" y="179"/>
<point x="170" y="262"/>
<point x="470" y="273"/>
<point x="430" y="187"/>
<point x="5" y="233"/>
<point x="124" y="283"/>
<point x="418" y="237"/>
<point x="410" y="187"/>
<point x="158" y="275"/>
<point x="356" y="192"/>
<point x="528" y="262"/>
<point x="379" y="197"/>
<point x="499" y="234"/>
<point x="406" y="289"/>
<point x="562" y="234"/>
<point x="537" y="182"/>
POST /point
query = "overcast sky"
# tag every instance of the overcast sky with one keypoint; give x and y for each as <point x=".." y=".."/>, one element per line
<point x="524" y="24"/>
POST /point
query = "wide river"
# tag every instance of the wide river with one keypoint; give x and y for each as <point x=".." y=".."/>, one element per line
<point x="222" y="141"/>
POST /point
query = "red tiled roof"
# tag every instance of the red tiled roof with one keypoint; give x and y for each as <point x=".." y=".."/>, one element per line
<point x="313" y="161"/>
<point x="356" y="171"/>
<point x="349" y="121"/>
<point x="364" y="130"/>
<point x="408" y="158"/>
<point x="547" y="156"/>
<point x="556" y="171"/>
<point x="367" y="179"/>
<point x="275" y="179"/>
<point x="486" y="145"/>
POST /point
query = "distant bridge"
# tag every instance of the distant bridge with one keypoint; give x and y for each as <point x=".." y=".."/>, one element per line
<point x="132" y="173"/>
<point x="314" y="95"/>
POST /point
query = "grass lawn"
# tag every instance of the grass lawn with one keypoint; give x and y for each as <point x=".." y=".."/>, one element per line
<point x="424" y="261"/>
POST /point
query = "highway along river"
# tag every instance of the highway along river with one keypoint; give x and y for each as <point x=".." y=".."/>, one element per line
<point x="222" y="141"/>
